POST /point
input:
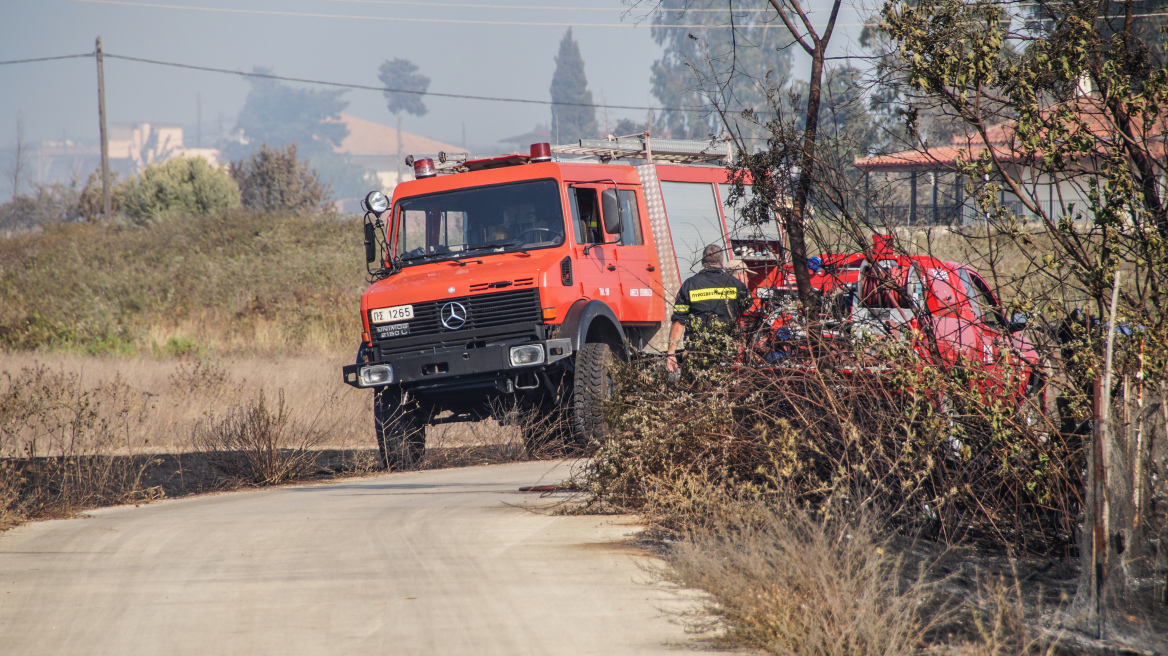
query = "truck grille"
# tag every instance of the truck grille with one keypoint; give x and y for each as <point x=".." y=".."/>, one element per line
<point x="488" y="317"/>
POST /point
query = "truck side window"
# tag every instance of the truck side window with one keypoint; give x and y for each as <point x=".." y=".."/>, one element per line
<point x="586" y="215"/>
<point x="412" y="232"/>
<point x="631" y="219"/>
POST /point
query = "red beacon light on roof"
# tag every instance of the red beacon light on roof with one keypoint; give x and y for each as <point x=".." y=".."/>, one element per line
<point x="541" y="152"/>
<point x="424" y="168"/>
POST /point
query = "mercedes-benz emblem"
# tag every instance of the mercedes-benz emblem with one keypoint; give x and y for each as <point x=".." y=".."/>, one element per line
<point x="453" y="315"/>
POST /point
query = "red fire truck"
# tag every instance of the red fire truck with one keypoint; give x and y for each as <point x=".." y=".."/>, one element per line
<point x="517" y="279"/>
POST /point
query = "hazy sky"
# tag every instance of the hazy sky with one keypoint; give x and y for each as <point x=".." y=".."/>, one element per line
<point x="475" y="47"/>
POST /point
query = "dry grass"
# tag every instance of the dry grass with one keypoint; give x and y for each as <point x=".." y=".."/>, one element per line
<point x="793" y="584"/>
<point x="82" y="431"/>
<point x="787" y="581"/>
<point x="180" y="392"/>
<point x="257" y="444"/>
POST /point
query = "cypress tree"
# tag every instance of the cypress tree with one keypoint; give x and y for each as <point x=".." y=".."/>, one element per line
<point x="571" y="122"/>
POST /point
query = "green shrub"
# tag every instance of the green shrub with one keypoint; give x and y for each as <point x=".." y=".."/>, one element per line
<point x="178" y="347"/>
<point x="179" y="185"/>
<point x="275" y="179"/>
<point x="89" y="205"/>
<point x="223" y="282"/>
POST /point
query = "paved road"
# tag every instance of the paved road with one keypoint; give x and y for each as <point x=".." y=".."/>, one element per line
<point x="439" y="562"/>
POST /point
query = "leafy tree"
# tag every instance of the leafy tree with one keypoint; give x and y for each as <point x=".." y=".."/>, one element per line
<point x="575" y="119"/>
<point x="1072" y="106"/>
<point x="718" y="72"/>
<point x="276" y="179"/>
<point x="404" y="88"/>
<point x="178" y="185"/>
<point x="280" y="115"/>
<point x="627" y="126"/>
<point x="277" y="114"/>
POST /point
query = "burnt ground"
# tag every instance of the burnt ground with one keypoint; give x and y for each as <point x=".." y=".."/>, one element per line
<point x="1033" y="600"/>
<point x="1037" y="598"/>
<point x="178" y="475"/>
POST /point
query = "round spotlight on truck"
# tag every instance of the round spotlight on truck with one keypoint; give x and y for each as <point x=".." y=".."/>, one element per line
<point x="377" y="202"/>
<point x="541" y="152"/>
<point x="424" y="168"/>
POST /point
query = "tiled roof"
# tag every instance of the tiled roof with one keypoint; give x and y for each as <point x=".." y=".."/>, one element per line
<point x="1095" y="123"/>
<point x="369" y="138"/>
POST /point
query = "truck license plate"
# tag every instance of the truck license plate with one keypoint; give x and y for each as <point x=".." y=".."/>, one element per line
<point x="389" y="314"/>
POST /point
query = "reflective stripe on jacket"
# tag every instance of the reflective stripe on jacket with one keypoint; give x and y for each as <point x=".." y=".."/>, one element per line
<point x="709" y="293"/>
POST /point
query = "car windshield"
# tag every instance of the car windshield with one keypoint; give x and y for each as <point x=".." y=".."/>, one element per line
<point x="520" y="216"/>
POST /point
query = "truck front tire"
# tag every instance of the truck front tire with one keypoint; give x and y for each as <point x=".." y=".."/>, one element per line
<point x="401" y="429"/>
<point x="591" y="388"/>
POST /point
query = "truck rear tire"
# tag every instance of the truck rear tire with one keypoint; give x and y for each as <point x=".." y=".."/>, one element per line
<point x="400" y="428"/>
<point x="592" y="386"/>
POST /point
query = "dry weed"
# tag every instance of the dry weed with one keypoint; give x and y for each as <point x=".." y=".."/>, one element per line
<point x="79" y="432"/>
<point x="256" y="445"/>
<point x="183" y="391"/>
<point x="63" y="446"/>
<point x="790" y="582"/>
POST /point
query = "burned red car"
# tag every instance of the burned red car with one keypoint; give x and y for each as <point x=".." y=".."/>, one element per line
<point x="944" y="311"/>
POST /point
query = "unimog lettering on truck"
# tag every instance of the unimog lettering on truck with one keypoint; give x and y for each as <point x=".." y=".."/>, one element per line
<point x="518" y="280"/>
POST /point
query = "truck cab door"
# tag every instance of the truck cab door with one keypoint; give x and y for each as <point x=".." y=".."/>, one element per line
<point x="595" y="272"/>
<point x="641" y="298"/>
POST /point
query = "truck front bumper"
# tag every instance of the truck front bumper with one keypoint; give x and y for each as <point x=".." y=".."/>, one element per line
<point x="408" y="369"/>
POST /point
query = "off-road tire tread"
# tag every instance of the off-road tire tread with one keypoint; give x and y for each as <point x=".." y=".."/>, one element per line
<point x="590" y="387"/>
<point x="401" y="431"/>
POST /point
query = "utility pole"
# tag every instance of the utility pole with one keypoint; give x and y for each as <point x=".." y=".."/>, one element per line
<point x="105" y="177"/>
<point x="199" y="119"/>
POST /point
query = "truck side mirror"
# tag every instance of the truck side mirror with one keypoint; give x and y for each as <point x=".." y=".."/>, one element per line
<point x="610" y="205"/>
<point x="370" y="243"/>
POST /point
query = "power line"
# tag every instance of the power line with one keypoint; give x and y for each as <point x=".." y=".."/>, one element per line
<point x="455" y="5"/>
<point x="365" y="87"/>
<point x="41" y="59"/>
<point x="448" y="21"/>
<point x="296" y="14"/>
<point x="360" y="87"/>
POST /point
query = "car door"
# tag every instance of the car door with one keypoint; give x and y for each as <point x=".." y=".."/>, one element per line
<point x="996" y="339"/>
<point x="984" y="322"/>
<point x="949" y="312"/>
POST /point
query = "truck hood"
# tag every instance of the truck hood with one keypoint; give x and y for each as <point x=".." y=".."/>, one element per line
<point x="466" y="277"/>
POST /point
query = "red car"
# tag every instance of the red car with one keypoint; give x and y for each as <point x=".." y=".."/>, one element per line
<point x="945" y="310"/>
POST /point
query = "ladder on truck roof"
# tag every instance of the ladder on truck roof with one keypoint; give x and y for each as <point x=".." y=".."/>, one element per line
<point x="714" y="152"/>
<point x="672" y="151"/>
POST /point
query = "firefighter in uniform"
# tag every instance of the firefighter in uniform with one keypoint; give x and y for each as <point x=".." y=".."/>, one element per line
<point x="711" y="293"/>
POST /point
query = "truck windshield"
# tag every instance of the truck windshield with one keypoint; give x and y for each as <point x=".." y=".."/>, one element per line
<point x="519" y="216"/>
